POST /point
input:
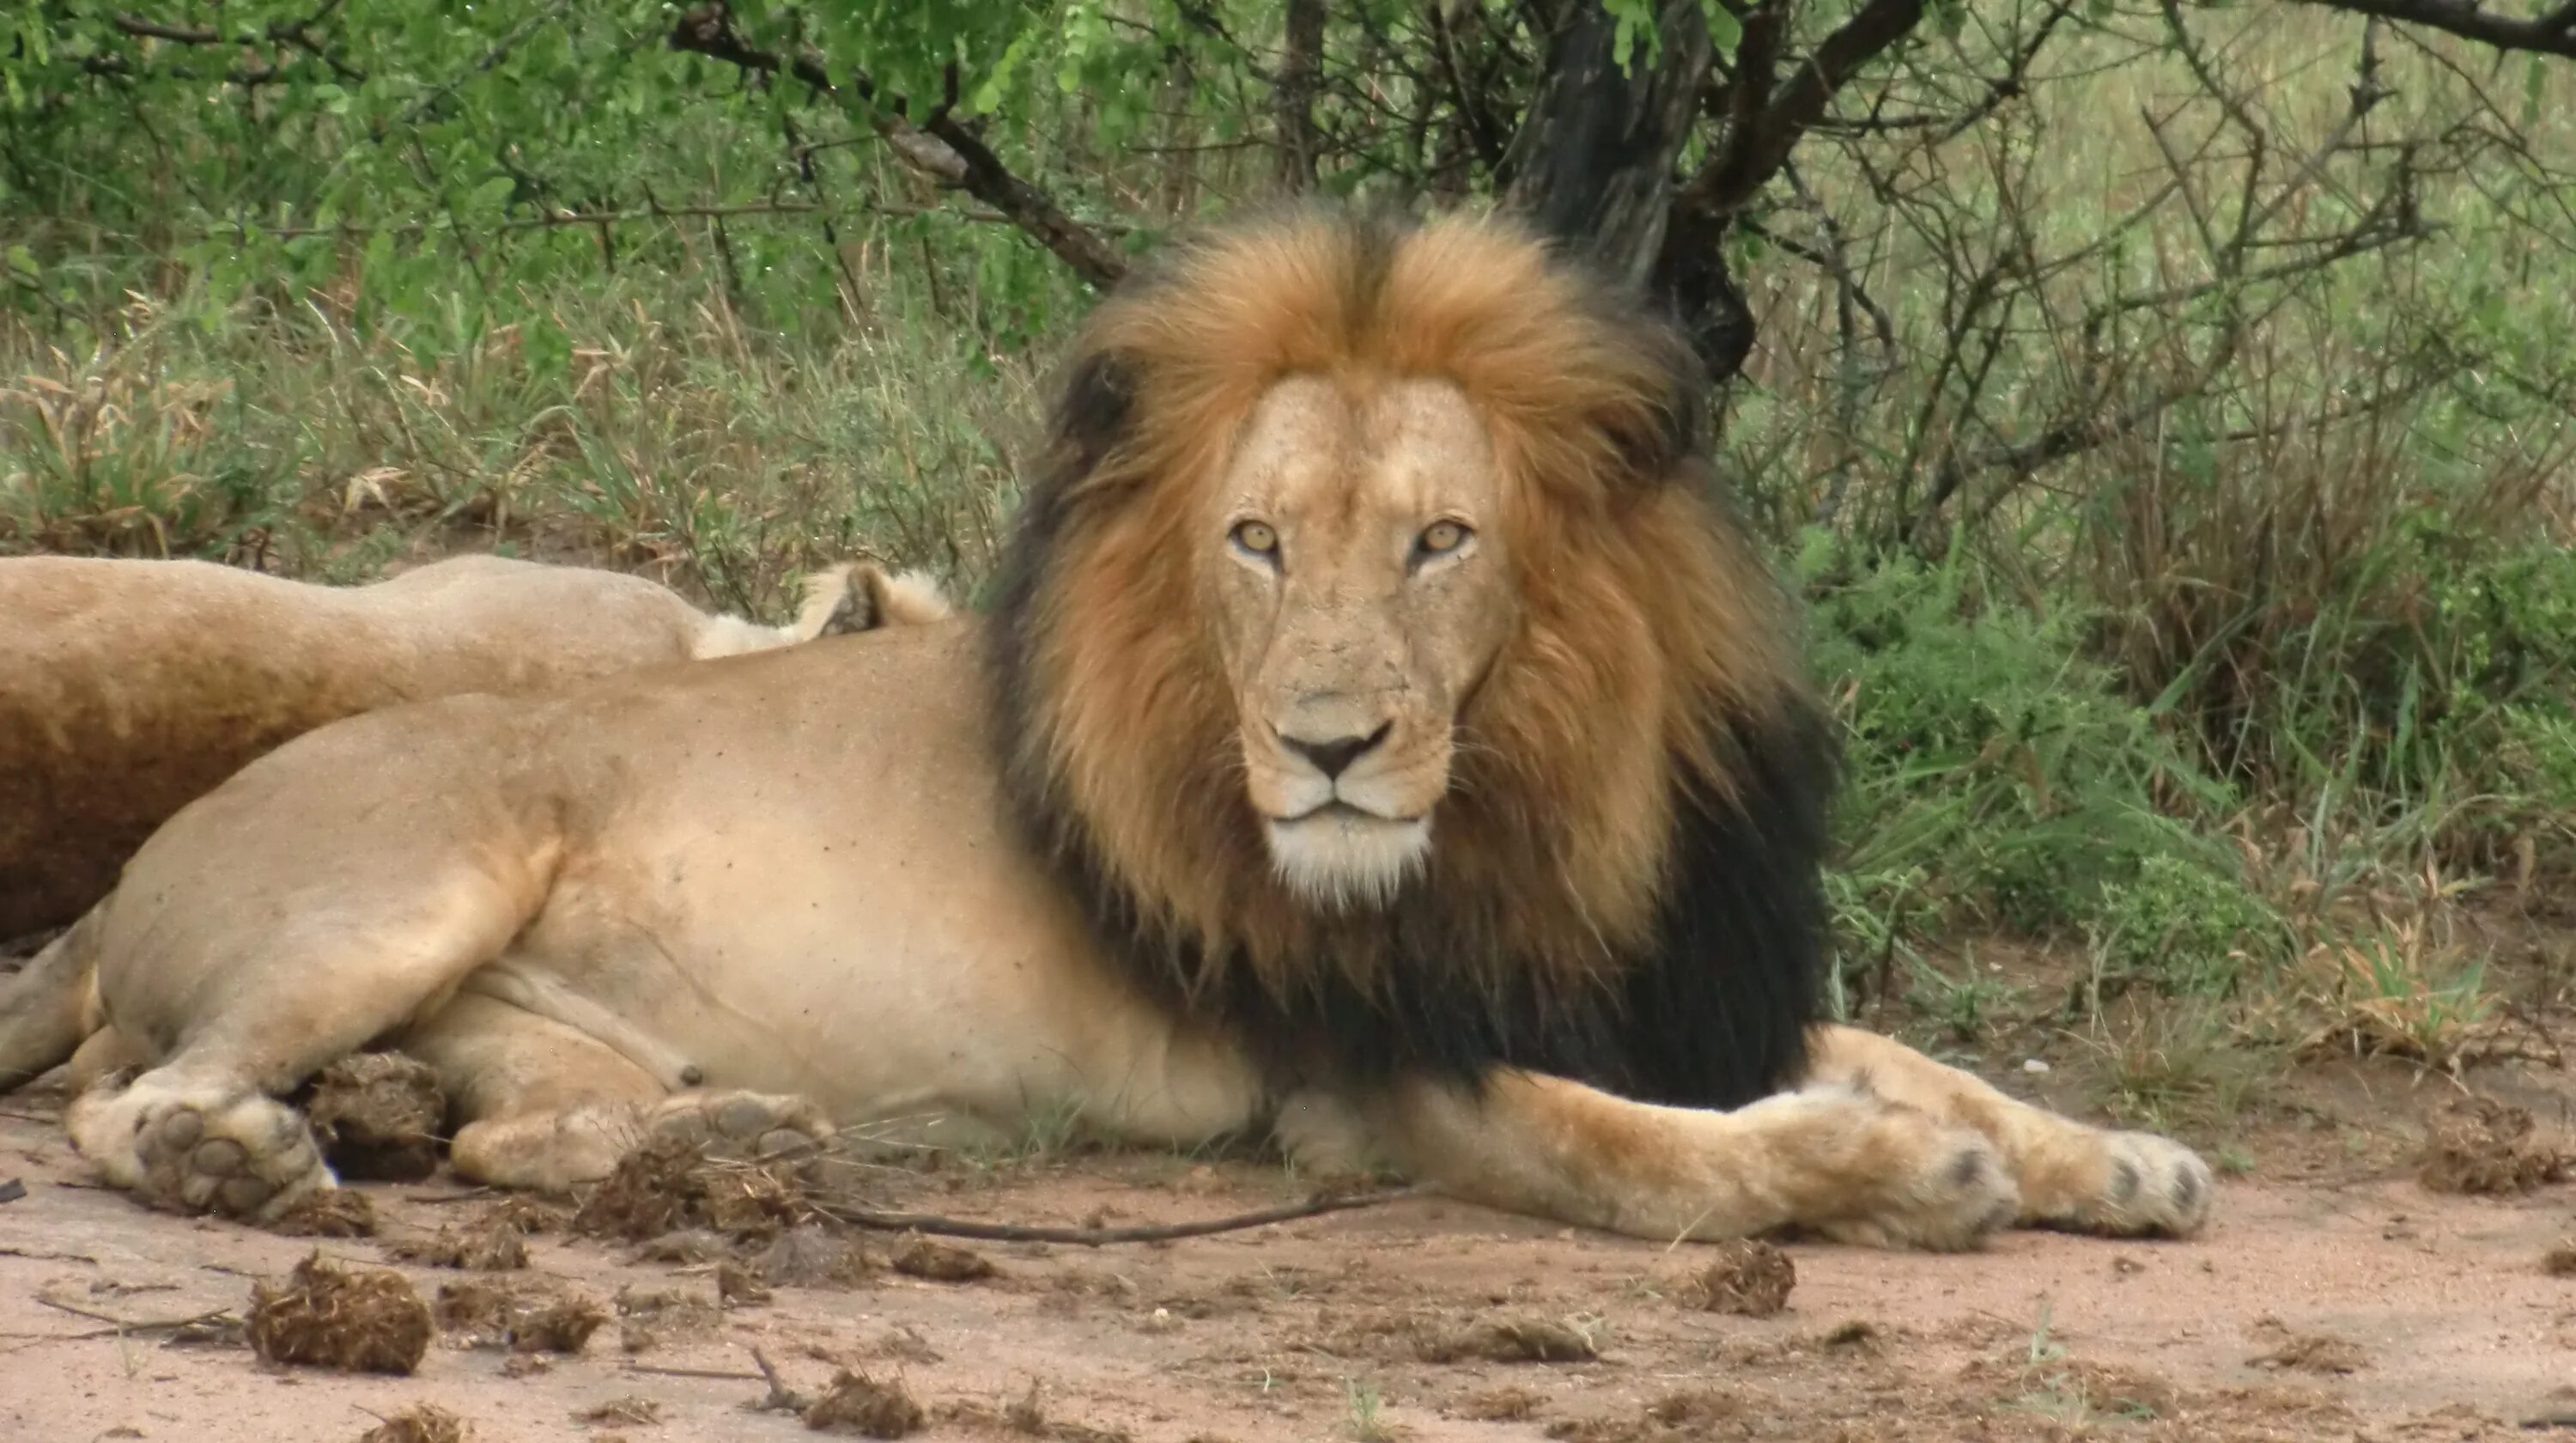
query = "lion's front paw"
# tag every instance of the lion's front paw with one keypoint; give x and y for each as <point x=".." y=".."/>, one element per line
<point x="747" y="1126"/>
<point x="2133" y="1184"/>
<point x="204" y="1148"/>
<point x="1880" y="1175"/>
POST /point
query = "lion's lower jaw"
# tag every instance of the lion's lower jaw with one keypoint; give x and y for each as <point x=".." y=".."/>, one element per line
<point x="1341" y="862"/>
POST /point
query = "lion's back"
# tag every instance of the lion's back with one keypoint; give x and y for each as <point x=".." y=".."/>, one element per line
<point x="129" y="688"/>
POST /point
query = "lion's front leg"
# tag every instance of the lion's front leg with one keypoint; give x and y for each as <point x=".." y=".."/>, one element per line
<point x="2069" y="1174"/>
<point x="1838" y="1161"/>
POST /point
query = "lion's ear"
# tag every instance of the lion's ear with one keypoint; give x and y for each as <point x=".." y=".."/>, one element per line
<point x="1095" y="411"/>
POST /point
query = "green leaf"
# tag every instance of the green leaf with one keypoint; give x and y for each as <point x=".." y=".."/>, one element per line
<point x="1725" y="32"/>
<point x="1632" y="18"/>
<point x="22" y="260"/>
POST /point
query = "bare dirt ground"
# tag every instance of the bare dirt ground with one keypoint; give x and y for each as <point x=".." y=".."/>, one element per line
<point x="2336" y="1296"/>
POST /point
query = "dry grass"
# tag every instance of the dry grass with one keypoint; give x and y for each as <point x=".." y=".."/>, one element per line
<point x="675" y="444"/>
<point x="364" y="1320"/>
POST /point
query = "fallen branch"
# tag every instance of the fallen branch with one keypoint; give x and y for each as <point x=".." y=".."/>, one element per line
<point x="936" y="1226"/>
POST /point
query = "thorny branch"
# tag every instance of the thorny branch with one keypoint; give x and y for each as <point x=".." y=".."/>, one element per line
<point x="942" y="147"/>
<point x="2103" y="406"/>
<point x="300" y="34"/>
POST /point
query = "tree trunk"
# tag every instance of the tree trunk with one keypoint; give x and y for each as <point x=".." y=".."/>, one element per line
<point x="1300" y="66"/>
<point x="1593" y="166"/>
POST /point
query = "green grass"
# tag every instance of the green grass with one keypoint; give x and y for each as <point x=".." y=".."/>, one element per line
<point x="665" y="437"/>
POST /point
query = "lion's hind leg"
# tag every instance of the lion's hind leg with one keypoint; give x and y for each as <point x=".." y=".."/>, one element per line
<point x="2131" y="1184"/>
<point x="548" y="1107"/>
<point x="732" y="1123"/>
<point x="201" y="1141"/>
<point x="204" y="1129"/>
<point x="223" y="964"/>
<point x="46" y="1007"/>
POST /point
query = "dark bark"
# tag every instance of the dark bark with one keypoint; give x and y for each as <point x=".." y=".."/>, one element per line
<point x="2551" y="33"/>
<point x="1592" y="164"/>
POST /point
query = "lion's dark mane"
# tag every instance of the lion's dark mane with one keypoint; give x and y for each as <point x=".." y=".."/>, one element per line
<point x="1715" y="1011"/>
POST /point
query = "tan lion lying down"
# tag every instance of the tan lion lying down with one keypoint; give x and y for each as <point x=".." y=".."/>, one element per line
<point x="1381" y="744"/>
<point x="129" y="688"/>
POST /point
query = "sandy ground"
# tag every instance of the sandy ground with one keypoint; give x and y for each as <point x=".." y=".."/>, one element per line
<point x="2336" y="1297"/>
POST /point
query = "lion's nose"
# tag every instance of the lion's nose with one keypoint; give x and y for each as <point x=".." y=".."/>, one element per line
<point x="1334" y="757"/>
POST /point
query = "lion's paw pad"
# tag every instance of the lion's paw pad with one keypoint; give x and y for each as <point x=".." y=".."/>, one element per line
<point x="242" y="1153"/>
<point x="743" y="1125"/>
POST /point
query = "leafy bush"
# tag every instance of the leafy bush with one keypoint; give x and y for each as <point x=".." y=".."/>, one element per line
<point x="1997" y="776"/>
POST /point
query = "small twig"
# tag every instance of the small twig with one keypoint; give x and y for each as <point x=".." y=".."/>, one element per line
<point x="781" y="1399"/>
<point x="1103" y="1237"/>
<point x="33" y="1255"/>
<point x="724" y="1375"/>
<point x="440" y="1199"/>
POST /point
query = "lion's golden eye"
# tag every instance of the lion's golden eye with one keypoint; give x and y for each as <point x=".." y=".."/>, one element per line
<point x="1440" y="538"/>
<point x="1257" y="538"/>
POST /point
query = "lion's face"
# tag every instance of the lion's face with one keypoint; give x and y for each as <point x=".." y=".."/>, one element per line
<point x="1359" y="592"/>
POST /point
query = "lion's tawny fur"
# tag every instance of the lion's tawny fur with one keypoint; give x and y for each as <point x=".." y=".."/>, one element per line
<point x="859" y="597"/>
<point x="130" y="687"/>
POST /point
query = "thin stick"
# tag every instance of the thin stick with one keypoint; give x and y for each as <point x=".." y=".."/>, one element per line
<point x="782" y="1398"/>
<point x="1102" y="1237"/>
<point x="134" y="1325"/>
<point x="722" y="1374"/>
<point x="45" y="1257"/>
<point x="460" y="1195"/>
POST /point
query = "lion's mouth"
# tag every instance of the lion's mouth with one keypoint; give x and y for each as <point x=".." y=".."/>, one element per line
<point x="1338" y="855"/>
<point x="1338" y="810"/>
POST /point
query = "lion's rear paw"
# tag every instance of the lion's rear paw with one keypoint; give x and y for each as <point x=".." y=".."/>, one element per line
<point x="234" y="1151"/>
<point x="742" y="1125"/>
<point x="2140" y="1185"/>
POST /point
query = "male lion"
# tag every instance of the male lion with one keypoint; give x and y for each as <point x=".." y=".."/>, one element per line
<point x="1381" y="742"/>
<point x="129" y="688"/>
